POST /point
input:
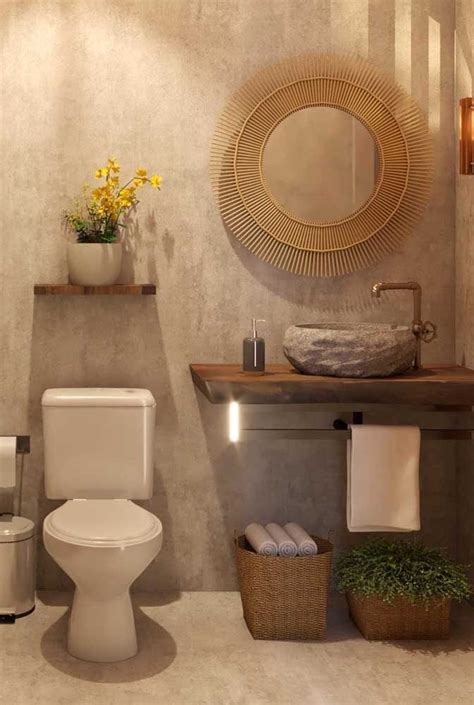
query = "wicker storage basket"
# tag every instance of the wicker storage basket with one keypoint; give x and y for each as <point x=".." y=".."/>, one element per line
<point x="284" y="598"/>
<point x="400" y="619"/>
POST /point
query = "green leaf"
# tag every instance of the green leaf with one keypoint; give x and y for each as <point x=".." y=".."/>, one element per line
<point x="390" y="569"/>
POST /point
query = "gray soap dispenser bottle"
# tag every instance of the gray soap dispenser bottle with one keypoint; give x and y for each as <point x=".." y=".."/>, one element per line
<point x="254" y="351"/>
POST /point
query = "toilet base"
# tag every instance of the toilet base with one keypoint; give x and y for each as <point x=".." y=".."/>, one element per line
<point x="102" y="630"/>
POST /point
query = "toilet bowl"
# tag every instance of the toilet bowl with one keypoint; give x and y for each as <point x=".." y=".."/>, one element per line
<point x="103" y="545"/>
<point x="98" y="452"/>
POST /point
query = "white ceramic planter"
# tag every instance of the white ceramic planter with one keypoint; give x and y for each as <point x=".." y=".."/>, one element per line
<point x="94" y="264"/>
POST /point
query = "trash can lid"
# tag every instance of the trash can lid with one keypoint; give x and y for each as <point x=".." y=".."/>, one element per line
<point x="14" y="528"/>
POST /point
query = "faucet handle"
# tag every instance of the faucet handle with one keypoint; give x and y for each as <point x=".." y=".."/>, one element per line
<point x="429" y="331"/>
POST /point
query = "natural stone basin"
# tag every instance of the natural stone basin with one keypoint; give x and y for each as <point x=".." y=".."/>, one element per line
<point x="350" y="349"/>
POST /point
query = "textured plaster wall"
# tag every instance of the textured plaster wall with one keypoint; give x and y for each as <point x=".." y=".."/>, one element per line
<point x="145" y="81"/>
<point x="464" y="72"/>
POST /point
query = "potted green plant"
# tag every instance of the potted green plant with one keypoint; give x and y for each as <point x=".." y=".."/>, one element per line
<point x="95" y="256"/>
<point x="400" y="589"/>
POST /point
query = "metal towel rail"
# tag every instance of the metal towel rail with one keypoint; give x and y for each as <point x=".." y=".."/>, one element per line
<point x="340" y="431"/>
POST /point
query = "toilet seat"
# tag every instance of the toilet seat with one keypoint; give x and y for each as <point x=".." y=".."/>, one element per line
<point x="102" y="522"/>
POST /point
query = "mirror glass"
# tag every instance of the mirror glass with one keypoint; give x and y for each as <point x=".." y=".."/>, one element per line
<point x="320" y="164"/>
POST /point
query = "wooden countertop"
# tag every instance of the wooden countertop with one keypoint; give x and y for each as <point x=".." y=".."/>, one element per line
<point x="442" y="385"/>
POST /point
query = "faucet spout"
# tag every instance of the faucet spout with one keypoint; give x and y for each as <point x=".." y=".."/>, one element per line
<point x="417" y="324"/>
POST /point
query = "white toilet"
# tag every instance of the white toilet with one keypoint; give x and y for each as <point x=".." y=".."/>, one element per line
<point x="99" y="456"/>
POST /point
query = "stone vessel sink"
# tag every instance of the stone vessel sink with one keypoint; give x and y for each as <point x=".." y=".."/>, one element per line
<point x="350" y="349"/>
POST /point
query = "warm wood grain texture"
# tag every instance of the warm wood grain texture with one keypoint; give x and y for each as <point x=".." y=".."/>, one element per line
<point x="441" y="386"/>
<point x="114" y="290"/>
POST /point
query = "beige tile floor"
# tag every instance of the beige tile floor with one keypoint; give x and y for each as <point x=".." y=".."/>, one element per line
<point x="196" y="650"/>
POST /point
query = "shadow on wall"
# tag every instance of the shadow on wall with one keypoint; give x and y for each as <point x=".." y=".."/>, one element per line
<point x="396" y="37"/>
<point x="97" y="341"/>
<point x="344" y="295"/>
<point x="109" y="341"/>
<point x="277" y="481"/>
<point x="269" y="481"/>
<point x="281" y="480"/>
<point x="138" y="248"/>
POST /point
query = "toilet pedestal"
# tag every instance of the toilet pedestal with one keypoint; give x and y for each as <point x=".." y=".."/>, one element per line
<point x="102" y="630"/>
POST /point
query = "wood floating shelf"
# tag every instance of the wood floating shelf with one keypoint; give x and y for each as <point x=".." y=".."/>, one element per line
<point x="444" y="386"/>
<point x="113" y="290"/>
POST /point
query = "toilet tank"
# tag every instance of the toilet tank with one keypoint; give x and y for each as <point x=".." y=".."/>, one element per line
<point x="98" y="443"/>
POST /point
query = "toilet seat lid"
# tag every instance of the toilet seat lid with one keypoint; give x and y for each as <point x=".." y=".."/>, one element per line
<point x="103" y="522"/>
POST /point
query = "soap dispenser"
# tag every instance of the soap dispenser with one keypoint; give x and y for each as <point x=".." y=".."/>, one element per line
<point x="254" y="351"/>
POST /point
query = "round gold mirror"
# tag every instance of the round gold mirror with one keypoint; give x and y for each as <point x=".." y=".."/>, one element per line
<point x="321" y="165"/>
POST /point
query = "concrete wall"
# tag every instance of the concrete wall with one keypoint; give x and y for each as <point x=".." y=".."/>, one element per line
<point x="464" y="86"/>
<point x="145" y="81"/>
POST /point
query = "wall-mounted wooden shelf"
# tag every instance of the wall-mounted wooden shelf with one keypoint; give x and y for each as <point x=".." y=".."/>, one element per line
<point x="114" y="290"/>
<point x="444" y="386"/>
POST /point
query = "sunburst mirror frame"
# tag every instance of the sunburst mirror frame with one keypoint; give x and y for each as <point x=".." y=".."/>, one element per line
<point x="401" y="190"/>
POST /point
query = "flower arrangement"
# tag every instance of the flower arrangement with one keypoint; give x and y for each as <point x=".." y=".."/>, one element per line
<point x="99" y="216"/>
<point x="392" y="569"/>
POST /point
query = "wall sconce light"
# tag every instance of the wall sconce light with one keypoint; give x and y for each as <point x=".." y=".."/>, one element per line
<point x="466" y="137"/>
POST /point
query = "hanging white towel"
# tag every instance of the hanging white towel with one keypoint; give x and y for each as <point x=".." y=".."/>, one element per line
<point x="383" y="478"/>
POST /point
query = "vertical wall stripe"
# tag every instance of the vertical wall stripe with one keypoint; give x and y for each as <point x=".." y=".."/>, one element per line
<point x="403" y="43"/>
<point x="434" y="74"/>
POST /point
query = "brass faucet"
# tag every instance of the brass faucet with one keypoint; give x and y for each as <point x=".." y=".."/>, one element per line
<point x="426" y="330"/>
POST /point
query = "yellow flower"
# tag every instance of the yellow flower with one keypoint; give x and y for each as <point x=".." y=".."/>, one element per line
<point x="101" y="172"/>
<point x="156" y="181"/>
<point x="114" y="166"/>
<point x="109" y="201"/>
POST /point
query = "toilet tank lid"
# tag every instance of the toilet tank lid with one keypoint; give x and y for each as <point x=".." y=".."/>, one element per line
<point x="97" y="396"/>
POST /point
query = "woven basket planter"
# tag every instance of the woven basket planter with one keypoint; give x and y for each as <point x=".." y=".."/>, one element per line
<point x="400" y="619"/>
<point x="284" y="598"/>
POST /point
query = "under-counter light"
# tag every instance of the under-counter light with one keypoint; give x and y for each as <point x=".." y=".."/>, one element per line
<point x="234" y="422"/>
<point x="466" y="136"/>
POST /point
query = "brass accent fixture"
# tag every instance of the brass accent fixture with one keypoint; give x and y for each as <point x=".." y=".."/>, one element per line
<point x="401" y="190"/>
<point x="466" y="137"/>
<point x="426" y="331"/>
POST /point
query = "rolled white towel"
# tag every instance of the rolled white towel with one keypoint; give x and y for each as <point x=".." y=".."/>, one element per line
<point x="286" y="546"/>
<point x="260" y="540"/>
<point x="306" y="545"/>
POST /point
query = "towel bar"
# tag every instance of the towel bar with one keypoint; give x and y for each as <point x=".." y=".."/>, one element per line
<point x="339" y="434"/>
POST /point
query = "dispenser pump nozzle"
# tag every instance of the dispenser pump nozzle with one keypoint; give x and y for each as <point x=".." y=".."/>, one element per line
<point x="254" y="326"/>
<point x="254" y="351"/>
